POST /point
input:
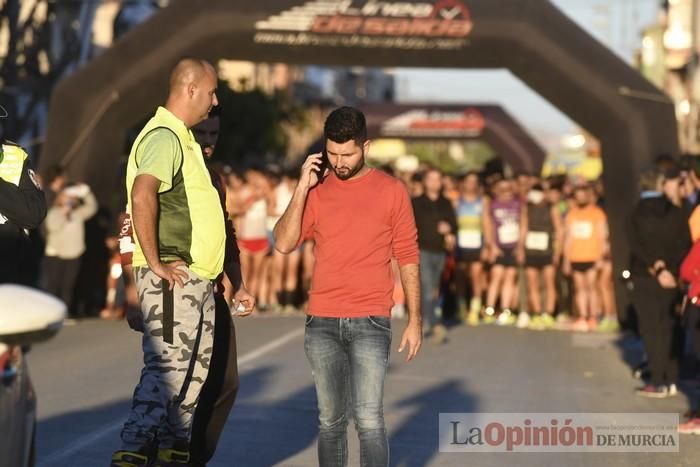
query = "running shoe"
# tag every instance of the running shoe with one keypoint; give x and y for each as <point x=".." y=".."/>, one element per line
<point x="548" y="321"/>
<point x="506" y="318"/>
<point x="439" y="334"/>
<point x="523" y="320"/>
<point x="672" y="389"/>
<point x="580" y="325"/>
<point x="656" y="392"/>
<point x="489" y="315"/>
<point x="536" y="323"/>
<point x="563" y="317"/>
<point x="592" y="324"/>
<point x="473" y="318"/>
<point x="691" y="427"/>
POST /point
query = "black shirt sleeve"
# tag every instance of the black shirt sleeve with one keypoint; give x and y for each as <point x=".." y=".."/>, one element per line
<point x="450" y="215"/>
<point x="232" y="260"/>
<point x="23" y="205"/>
<point x="637" y="245"/>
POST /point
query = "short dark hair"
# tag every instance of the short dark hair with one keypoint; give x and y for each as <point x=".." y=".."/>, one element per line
<point x="345" y="124"/>
<point x="649" y="179"/>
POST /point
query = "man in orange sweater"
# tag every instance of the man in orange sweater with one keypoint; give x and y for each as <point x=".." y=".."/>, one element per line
<point x="359" y="218"/>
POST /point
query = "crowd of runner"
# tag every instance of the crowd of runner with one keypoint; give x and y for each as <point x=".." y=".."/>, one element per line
<point x="512" y="251"/>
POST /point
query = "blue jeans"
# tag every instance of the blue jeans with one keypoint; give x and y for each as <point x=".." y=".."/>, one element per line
<point x="431" y="266"/>
<point x="349" y="359"/>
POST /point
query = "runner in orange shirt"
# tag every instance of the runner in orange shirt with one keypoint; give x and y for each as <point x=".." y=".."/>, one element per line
<point x="585" y="246"/>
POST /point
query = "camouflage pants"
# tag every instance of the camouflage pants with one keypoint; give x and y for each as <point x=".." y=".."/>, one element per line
<point x="177" y="348"/>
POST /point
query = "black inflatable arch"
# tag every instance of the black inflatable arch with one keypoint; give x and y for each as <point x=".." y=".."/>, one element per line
<point x="634" y="121"/>
<point x="485" y="122"/>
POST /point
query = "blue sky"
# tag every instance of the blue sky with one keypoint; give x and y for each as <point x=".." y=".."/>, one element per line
<point x="615" y="23"/>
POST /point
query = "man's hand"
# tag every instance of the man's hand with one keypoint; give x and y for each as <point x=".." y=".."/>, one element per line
<point x="135" y="318"/>
<point x="310" y="177"/>
<point x="413" y="338"/>
<point x="566" y="268"/>
<point x="444" y="228"/>
<point x="666" y="280"/>
<point x="248" y="301"/>
<point x="450" y="242"/>
<point x="171" y="272"/>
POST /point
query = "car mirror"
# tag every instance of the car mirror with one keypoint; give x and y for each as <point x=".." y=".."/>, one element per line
<point x="28" y="316"/>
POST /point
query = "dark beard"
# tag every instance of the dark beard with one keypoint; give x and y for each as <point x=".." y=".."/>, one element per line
<point x="353" y="171"/>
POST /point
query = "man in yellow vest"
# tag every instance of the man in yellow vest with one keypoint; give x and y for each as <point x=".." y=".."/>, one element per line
<point x="179" y="252"/>
<point x="22" y="207"/>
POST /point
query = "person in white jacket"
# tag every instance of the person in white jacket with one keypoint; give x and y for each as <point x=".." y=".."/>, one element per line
<point x="65" y="239"/>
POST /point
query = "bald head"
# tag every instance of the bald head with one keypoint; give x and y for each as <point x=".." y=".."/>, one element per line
<point x="192" y="90"/>
<point x="188" y="71"/>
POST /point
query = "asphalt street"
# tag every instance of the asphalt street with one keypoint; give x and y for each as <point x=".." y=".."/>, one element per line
<point x="84" y="379"/>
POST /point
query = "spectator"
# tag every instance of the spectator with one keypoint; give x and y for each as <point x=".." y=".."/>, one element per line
<point x="659" y="239"/>
<point x="437" y="225"/>
<point x="65" y="241"/>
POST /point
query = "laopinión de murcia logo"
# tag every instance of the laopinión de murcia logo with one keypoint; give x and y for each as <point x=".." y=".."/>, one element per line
<point x="443" y="24"/>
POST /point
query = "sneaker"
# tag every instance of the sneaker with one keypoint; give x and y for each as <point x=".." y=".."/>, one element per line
<point x="548" y="321"/>
<point x="489" y="315"/>
<point x="657" y="392"/>
<point x="506" y="318"/>
<point x="537" y="323"/>
<point x="563" y="317"/>
<point x="691" y="427"/>
<point x="172" y="458"/>
<point x="461" y="310"/>
<point x="523" y="320"/>
<point x="129" y="459"/>
<point x="439" y="334"/>
<point x="473" y="318"/>
<point x="592" y="324"/>
<point x="580" y="325"/>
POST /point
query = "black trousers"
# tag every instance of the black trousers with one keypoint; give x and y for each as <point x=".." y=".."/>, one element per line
<point x="658" y="328"/>
<point x="61" y="275"/>
<point x="692" y="323"/>
<point x="219" y="390"/>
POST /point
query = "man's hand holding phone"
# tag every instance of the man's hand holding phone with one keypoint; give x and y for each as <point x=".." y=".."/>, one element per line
<point x="313" y="170"/>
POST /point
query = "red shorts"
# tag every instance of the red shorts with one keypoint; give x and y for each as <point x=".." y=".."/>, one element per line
<point x="257" y="245"/>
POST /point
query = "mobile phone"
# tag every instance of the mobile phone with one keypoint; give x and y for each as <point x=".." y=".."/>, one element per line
<point x="238" y="310"/>
<point x="325" y="164"/>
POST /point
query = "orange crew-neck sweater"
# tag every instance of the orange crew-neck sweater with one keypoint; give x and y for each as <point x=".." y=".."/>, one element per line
<point x="357" y="226"/>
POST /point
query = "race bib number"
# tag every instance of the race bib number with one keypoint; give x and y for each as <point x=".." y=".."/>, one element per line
<point x="582" y="230"/>
<point x="469" y="239"/>
<point x="126" y="245"/>
<point x="537" y="241"/>
<point x="508" y="233"/>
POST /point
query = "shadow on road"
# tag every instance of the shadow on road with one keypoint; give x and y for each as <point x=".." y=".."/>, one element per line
<point x="415" y="442"/>
<point x="265" y="433"/>
<point x="90" y="433"/>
